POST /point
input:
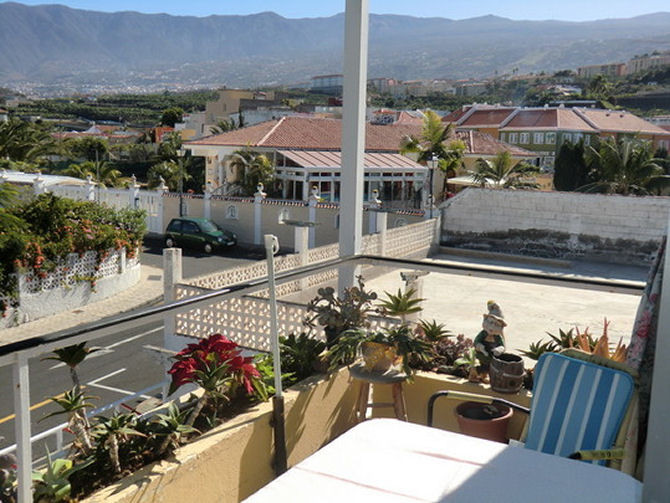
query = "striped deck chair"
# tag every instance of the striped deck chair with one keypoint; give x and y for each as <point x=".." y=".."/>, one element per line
<point x="576" y="411"/>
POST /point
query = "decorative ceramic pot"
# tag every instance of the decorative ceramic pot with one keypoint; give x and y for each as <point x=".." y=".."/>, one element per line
<point x="379" y="357"/>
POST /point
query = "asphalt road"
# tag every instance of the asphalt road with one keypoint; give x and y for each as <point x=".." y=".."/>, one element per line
<point x="122" y="367"/>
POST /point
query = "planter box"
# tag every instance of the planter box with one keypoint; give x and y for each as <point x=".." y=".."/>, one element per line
<point x="234" y="460"/>
<point x="427" y="383"/>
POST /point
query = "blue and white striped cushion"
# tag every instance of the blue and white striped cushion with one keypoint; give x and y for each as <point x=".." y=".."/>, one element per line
<point x="576" y="405"/>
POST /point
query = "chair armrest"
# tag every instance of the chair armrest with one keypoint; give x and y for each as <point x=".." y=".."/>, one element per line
<point x="586" y="455"/>
<point x="472" y="397"/>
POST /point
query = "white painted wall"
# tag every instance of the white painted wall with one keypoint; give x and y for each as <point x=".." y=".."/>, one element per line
<point x="606" y="216"/>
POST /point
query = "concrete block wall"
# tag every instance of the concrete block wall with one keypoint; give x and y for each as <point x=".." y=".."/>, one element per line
<point x="557" y="224"/>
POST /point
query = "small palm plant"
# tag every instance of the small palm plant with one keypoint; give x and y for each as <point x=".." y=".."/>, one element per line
<point x="172" y="427"/>
<point x="401" y="304"/>
<point x="111" y="432"/>
<point x="74" y="404"/>
<point x="469" y="361"/>
<point x="537" y="349"/>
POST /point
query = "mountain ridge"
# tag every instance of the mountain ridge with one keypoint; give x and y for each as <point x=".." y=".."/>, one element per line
<point x="55" y="43"/>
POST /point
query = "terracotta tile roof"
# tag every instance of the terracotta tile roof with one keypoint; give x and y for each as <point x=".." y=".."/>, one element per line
<point x="491" y="117"/>
<point x="408" y="118"/>
<point x="548" y="118"/>
<point x="618" y="121"/>
<point x="455" y="115"/>
<point x="330" y="159"/>
<point x="666" y="128"/>
<point x="482" y="144"/>
<point x="308" y="133"/>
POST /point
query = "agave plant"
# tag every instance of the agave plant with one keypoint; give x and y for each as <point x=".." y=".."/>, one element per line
<point x="299" y="354"/>
<point x="74" y="404"/>
<point x="432" y="330"/>
<point x="400" y="304"/>
<point x="172" y="426"/>
<point x="53" y="485"/>
<point x="111" y="432"/>
<point x="537" y="349"/>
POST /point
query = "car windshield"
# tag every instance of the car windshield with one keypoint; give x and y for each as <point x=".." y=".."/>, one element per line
<point x="208" y="226"/>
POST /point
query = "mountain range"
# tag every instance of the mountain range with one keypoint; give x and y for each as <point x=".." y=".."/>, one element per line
<point x="52" y="43"/>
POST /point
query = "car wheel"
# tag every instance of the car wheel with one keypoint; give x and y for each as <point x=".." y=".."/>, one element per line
<point x="169" y="242"/>
<point x="208" y="248"/>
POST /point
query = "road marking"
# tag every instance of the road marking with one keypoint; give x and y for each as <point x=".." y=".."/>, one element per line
<point x="106" y="376"/>
<point x="32" y="407"/>
<point x="109" y="349"/>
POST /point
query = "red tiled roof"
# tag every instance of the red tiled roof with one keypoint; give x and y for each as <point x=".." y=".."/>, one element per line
<point x="407" y="118"/>
<point x="618" y="121"/>
<point x="309" y="133"/>
<point x="491" y="117"/>
<point x="482" y="144"/>
<point x="455" y="115"/>
<point x="548" y="118"/>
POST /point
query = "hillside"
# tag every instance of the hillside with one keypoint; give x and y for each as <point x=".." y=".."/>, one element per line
<point x="63" y="46"/>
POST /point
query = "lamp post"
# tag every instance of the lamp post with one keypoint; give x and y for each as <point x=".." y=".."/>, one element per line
<point x="431" y="199"/>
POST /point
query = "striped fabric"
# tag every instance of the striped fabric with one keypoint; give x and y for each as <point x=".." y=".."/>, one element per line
<point x="576" y="405"/>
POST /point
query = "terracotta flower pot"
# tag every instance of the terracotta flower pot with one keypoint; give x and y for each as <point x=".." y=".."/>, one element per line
<point x="488" y="421"/>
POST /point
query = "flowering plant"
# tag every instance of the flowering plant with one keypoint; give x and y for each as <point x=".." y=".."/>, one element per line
<point x="216" y="365"/>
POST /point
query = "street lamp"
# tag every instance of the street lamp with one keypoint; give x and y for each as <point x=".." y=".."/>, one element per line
<point x="433" y="165"/>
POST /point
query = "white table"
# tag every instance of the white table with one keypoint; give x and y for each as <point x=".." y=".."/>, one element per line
<point x="390" y="461"/>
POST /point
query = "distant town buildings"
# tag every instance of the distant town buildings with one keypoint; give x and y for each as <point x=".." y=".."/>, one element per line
<point x="634" y="65"/>
<point x="328" y="84"/>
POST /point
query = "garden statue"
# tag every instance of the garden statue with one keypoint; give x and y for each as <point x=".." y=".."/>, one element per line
<point x="490" y="341"/>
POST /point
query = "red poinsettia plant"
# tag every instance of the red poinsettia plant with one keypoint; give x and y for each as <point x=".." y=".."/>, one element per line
<point x="216" y="365"/>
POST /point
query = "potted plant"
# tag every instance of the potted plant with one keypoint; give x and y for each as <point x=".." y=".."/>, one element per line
<point x="340" y="313"/>
<point x="382" y="350"/>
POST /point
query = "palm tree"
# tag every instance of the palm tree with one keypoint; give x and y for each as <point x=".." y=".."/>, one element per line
<point x="432" y="141"/>
<point x="625" y="167"/>
<point x="113" y="431"/>
<point x="223" y="126"/>
<point x="174" y="174"/>
<point x="502" y="173"/>
<point x="72" y="356"/>
<point x="23" y="141"/>
<point x="256" y="168"/>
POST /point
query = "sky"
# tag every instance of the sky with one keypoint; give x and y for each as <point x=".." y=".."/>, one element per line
<point x="568" y="10"/>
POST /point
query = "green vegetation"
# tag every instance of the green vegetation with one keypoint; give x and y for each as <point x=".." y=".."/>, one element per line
<point x="503" y="173"/>
<point x="139" y="109"/>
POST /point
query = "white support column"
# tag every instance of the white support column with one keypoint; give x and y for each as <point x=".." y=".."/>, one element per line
<point x="305" y="188"/>
<point x="301" y="247"/>
<point x="90" y="188"/>
<point x="258" y="214"/>
<point x="656" y="486"/>
<point x="161" y="191"/>
<point x="313" y="201"/>
<point x="353" y="135"/>
<point x="133" y="193"/>
<point x="21" y="381"/>
<point x="207" y="201"/>
<point x="382" y="224"/>
<point x="373" y="210"/>
<point x="414" y="281"/>
<point x="172" y="275"/>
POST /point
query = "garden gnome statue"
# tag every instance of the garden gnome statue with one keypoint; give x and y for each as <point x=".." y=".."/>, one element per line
<point x="490" y="341"/>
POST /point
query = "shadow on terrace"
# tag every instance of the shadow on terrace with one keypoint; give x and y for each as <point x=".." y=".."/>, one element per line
<point x="240" y="456"/>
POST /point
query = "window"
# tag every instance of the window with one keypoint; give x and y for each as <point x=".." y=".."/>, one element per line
<point x="503" y="136"/>
<point x="175" y="226"/>
<point x="190" y="228"/>
<point x="524" y="138"/>
<point x="587" y="140"/>
<point x="538" y="138"/>
<point x="567" y="138"/>
<point x="550" y="138"/>
<point x="513" y="137"/>
<point x="576" y="137"/>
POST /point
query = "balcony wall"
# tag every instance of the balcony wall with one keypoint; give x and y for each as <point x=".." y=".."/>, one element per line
<point x="233" y="461"/>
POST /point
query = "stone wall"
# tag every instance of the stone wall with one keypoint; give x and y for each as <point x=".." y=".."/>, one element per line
<point x="623" y="229"/>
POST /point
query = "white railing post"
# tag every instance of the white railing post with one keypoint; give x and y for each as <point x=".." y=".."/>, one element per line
<point x="207" y="201"/>
<point x="161" y="190"/>
<point x="258" y="214"/>
<point x="312" y="202"/>
<point x="172" y="275"/>
<point x="133" y="193"/>
<point x="90" y="188"/>
<point x="21" y="378"/>
<point x="373" y="209"/>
